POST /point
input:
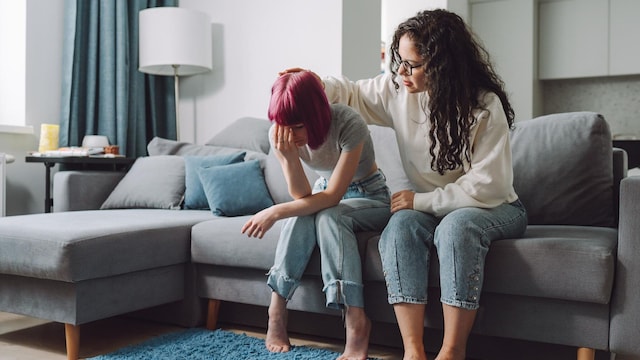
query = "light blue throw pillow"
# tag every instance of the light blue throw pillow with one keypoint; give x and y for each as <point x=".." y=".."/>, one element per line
<point x="194" y="197"/>
<point x="235" y="189"/>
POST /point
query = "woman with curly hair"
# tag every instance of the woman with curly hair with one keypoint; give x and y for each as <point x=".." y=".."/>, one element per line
<point x="451" y="117"/>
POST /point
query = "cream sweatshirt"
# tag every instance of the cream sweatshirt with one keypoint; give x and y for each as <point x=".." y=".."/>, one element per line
<point x="485" y="182"/>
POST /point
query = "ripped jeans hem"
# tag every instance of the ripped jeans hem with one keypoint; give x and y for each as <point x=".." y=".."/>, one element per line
<point x="340" y="293"/>
<point x="282" y="284"/>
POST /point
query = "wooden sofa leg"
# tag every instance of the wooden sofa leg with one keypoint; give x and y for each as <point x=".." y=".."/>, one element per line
<point x="586" y="354"/>
<point x="212" y="313"/>
<point x="72" y="336"/>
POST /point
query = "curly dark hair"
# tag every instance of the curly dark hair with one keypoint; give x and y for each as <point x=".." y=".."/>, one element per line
<point x="457" y="70"/>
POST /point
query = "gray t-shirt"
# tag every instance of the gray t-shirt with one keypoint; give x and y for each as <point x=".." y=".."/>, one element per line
<point x="347" y="130"/>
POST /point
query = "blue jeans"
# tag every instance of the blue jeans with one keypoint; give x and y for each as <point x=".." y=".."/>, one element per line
<point x="461" y="239"/>
<point x="364" y="207"/>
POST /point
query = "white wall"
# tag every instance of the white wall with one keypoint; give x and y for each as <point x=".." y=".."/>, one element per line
<point x="253" y="40"/>
<point x="25" y="181"/>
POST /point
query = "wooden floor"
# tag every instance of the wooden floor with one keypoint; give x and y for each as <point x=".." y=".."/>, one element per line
<point x="25" y="338"/>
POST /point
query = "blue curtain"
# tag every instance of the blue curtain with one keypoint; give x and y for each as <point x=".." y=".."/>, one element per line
<point x="103" y="93"/>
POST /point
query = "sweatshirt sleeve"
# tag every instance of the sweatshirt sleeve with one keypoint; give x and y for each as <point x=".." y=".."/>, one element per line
<point x="368" y="96"/>
<point x="488" y="179"/>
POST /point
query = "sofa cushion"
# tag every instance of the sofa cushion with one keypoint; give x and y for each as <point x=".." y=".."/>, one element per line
<point x="244" y="133"/>
<point x="161" y="146"/>
<point x="574" y="263"/>
<point x="388" y="160"/>
<point x="563" y="169"/>
<point x="78" y="245"/>
<point x="153" y="182"/>
<point x="220" y="242"/>
<point x="194" y="197"/>
<point x="276" y="182"/>
<point x="235" y="189"/>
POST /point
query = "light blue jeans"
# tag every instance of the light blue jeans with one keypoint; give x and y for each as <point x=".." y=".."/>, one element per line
<point x="461" y="239"/>
<point x="364" y="207"/>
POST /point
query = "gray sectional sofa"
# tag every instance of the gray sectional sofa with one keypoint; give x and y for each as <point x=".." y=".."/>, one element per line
<point x="121" y="243"/>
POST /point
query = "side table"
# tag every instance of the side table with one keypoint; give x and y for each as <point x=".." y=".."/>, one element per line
<point x="116" y="163"/>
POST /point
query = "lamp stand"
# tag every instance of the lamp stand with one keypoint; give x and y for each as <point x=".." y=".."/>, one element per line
<point x="177" y="93"/>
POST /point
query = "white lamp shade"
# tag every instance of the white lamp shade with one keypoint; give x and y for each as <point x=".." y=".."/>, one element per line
<point x="174" y="41"/>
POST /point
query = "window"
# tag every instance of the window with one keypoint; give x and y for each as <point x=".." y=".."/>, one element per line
<point x="13" y="21"/>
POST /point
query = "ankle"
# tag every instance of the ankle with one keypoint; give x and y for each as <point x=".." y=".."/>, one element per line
<point x="451" y="353"/>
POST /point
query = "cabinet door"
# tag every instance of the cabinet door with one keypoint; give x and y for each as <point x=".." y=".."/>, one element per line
<point x="624" y="45"/>
<point x="507" y="30"/>
<point x="573" y="38"/>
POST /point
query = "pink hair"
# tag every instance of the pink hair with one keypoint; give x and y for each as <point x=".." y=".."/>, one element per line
<point x="300" y="98"/>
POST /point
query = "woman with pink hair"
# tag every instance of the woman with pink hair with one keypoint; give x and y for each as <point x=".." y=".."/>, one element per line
<point x="350" y="195"/>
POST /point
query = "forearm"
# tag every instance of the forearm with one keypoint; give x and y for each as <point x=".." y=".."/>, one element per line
<point x="306" y="206"/>
<point x="297" y="182"/>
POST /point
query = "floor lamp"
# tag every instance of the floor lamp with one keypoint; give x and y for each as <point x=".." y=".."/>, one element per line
<point x="174" y="41"/>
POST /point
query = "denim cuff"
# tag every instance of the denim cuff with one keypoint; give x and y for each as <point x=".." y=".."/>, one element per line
<point x="282" y="284"/>
<point x="340" y="293"/>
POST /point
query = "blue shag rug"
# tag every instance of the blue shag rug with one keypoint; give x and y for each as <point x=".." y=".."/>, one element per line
<point x="199" y="343"/>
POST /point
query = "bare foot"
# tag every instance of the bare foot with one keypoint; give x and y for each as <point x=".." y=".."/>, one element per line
<point x="451" y="354"/>
<point x="358" y="330"/>
<point x="411" y="355"/>
<point x="277" y="337"/>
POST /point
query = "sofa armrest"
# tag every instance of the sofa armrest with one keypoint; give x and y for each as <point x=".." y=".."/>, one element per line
<point x="83" y="190"/>
<point x="625" y="312"/>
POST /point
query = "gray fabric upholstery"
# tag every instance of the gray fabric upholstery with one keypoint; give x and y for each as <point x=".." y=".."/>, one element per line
<point x="388" y="157"/>
<point x="84" y="301"/>
<point x="81" y="245"/>
<point x="235" y="135"/>
<point x="562" y="169"/>
<point x="159" y="146"/>
<point x="552" y="285"/>
<point x="571" y="279"/>
<point x="554" y="262"/>
<point x="88" y="194"/>
<point x="625" y="301"/>
<point x="153" y="182"/>
<point x="274" y="178"/>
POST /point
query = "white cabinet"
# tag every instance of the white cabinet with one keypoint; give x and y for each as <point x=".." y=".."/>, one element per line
<point x="587" y="38"/>
<point x="507" y="30"/>
<point x="573" y="38"/>
<point x="624" y="44"/>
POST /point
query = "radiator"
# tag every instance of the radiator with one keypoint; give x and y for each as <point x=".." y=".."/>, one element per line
<point x="3" y="183"/>
<point x="4" y="160"/>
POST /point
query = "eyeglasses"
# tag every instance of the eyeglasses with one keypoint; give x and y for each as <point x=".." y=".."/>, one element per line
<point x="408" y="68"/>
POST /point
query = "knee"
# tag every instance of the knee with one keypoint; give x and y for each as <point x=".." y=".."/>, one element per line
<point x="332" y="215"/>
<point x="405" y="228"/>
<point x="457" y="230"/>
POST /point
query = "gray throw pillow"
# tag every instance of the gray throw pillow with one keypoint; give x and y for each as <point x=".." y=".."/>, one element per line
<point x="563" y="169"/>
<point x="153" y="182"/>
<point x="161" y="146"/>
<point x="245" y="133"/>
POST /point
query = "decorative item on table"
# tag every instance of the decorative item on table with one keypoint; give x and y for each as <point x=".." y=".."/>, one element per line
<point x="112" y="150"/>
<point x="71" y="151"/>
<point x="48" y="137"/>
<point x="91" y="145"/>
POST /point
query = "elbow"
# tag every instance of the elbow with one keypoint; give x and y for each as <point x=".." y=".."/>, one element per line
<point x="331" y="199"/>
